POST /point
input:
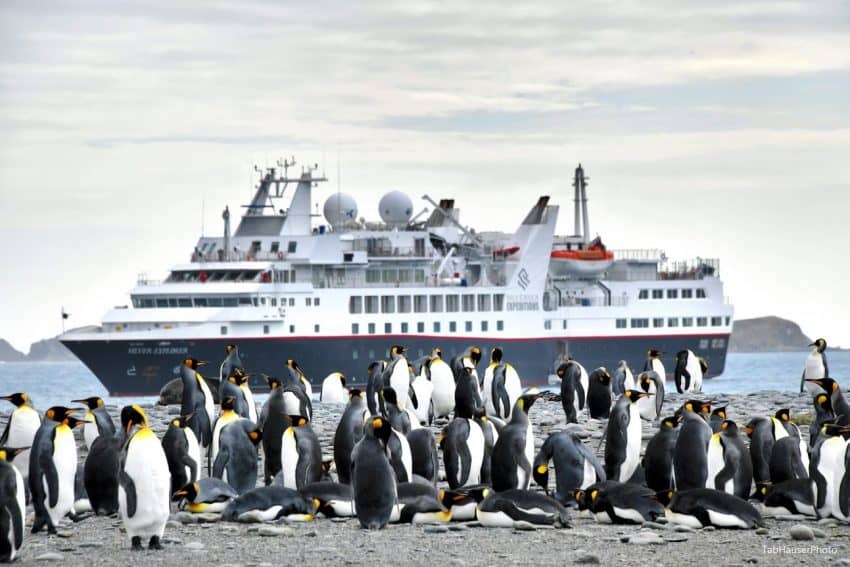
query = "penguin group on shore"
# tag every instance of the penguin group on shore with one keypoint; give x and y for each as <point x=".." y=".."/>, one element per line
<point x="698" y="469"/>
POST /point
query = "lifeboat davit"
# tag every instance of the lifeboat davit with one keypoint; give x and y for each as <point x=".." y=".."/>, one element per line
<point x="589" y="261"/>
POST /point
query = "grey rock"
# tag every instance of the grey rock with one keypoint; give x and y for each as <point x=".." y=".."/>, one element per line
<point x="675" y="538"/>
<point x="50" y="556"/>
<point x="762" y="531"/>
<point x="173" y="524"/>
<point x="654" y="526"/>
<point x="828" y="522"/>
<point x="85" y="544"/>
<point x="709" y="529"/>
<point x="645" y="538"/>
<point x="208" y="518"/>
<point x="524" y="526"/>
<point x="195" y="546"/>
<point x="457" y="528"/>
<point x="789" y="517"/>
<point x="683" y="529"/>
<point x="187" y="518"/>
<point x="274" y="531"/>
<point x="587" y="559"/>
<point x="435" y="529"/>
<point x="819" y="532"/>
<point x="801" y="533"/>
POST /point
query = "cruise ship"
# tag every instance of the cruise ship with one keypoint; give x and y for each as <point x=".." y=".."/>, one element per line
<point x="335" y="293"/>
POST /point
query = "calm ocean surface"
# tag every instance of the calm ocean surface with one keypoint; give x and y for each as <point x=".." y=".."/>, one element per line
<point x="53" y="383"/>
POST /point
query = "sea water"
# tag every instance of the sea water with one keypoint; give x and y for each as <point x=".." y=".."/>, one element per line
<point x="57" y="383"/>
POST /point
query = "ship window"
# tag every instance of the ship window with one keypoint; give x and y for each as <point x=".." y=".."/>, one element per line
<point x="672" y="293"/>
<point x="355" y="304"/>
<point x="283" y="276"/>
<point x="291" y="276"/>
<point x="484" y="302"/>
<point x="387" y="304"/>
<point x="404" y="327"/>
<point x="672" y="321"/>
<point x="621" y="323"/>
<point x="700" y="293"/>
<point x="500" y="325"/>
<point x="214" y="302"/>
<point x="172" y="302"/>
<point x="484" y="326"/>
<point x="161" y="302"/>
<point x="640" y="323"/>
<point x="420" y="327"/>
<point x="373" y="276"/>
<point x="292" y="328"/>
<point x="292" y="302"/>
<point x="200" y="302"/>
<point x="315" y="328"/>
<point x="716" y="321"/>
<point x="547" y="324"/>
<point x="658" y="322"/>
<point x="273" y="301"/>
<point x="275" y="247"/>
<point x="564" y="324"/>
<point x="254" y="300"/>
<point x="702" y="321"/>
<point x="728" y="320"/>
<point x="404" y="304"/>
<point x="355" y="328"/>
<point x="229" y="302"/>
<point x="687" y="321"/>
<point x="657" y="294"/>
<point x="419" y="276"/>
<point x="265" y="329"/>
<point x="687" y="293"/>
<point x="371" y="304"/>
<point x="388" y="328"/>
<point x="245" y="301"/>
<point x="436" y="303"/>
<point x="468" y="326"/>
<point x="451" y="303"/>
<point x="291" y="246"/>
<point x="389" y="276"/>
<point x="644" y="294"/>
<point x="224" y="329"/>
<point x="147" y="303"/>
<point x="315" y="301"/>
<point x="355" y="355"/>
<point x="371" y="329"/>
<point x="452" y="326"/>
<point x="404" y="276"/>
<point x="498" y="301"/>
<point x="436" y="326"/>
<point x="308" y="301"/>
<point x="262" y="301"/>
<point x="420" y="303"/>
<point x="468" y="302"/>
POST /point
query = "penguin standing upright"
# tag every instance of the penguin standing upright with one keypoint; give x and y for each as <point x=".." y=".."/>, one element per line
<point x="688" y="372"/>
<point x="398" y="418"/>
<point x="827" y="469"/>
<point x="236" y="462"/>
<point x="423" y="388"/>
<point x="296" y="376"/>
<point x="823" y="414"/>
<point x="232" y="362"/>
<point x="443" y="380"/>
<point x="730" y="468"/>
<point x="514" y="450"/>
<point x="248" y="396"/>
<point x="576" y="466"/>
<point x="227" y="416"/>
<point x="13" y="507"/>
<point x="300" y="454"/>
<point x="839" y="403"/>
<point x="297" y="401"/>
<point x="333" y="389"/>
<point x="658" y="457"/>
<point x="469" y="358"/>
<point x="423" y="450"/>
<point x="229" y="388"/>
<point x="374" y="385"/>
<point x="101" y="470"/>
<point x="467" y="395"/>
<point x="653" y="384"/>
<point x="53" y="467"/>
<point x="20" y="430"/>
<point x="502" y="386"/>
<point x="373" y="481"/>
<point x="718" y="416"/>
<point x="182" y="452"/>
<point x="653" y="363"/>
<point x="348" y="432"/>
<point x="690" y="458"/>
<point x="574" y="386"/>
<point x="599" y="393"/>
<point x="397" y="374"/>
<point x="198" y="401"/>
<point x="623" y="437"/>
<point x="760" y="431"/>
<point x="462" y="442"/>
<point x="816" y="365"/>
<point x="400" y="455"/>
<point x="623" y="379"/>
<point x="144" y="482"/>
<point x="98" y="420"/>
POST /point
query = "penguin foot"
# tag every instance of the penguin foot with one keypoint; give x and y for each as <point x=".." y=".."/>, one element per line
<point x="154" y="543"/>
<point x="137" y="543"/>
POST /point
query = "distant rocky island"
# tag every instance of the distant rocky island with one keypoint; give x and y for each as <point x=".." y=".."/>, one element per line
<point x="46" y="350"/>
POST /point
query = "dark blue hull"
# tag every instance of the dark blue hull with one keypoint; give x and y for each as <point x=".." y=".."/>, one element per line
<point x="134" y="368"/>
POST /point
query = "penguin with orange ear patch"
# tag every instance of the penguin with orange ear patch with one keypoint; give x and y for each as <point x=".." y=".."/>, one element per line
<point x="300" y="454"/>
<point x="236" y="462"/>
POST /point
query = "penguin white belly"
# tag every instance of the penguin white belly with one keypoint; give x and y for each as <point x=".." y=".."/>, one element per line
<point x="443" y="393"/>
<point x="257" y="516"/>
<point x="406" y="454"/>
<point x="65" y="460"/>
<point x="633" y="439"/>
<point x="722" y="520"/>
<point x="646" y="406"/>
<point x="494" y="519"/>
<point x="308" y="387"/>
<point x="716" y="462"/>
<point x="289" y="458"/>
<point x="629" y="381"/>
<point x="838" y="476"/>
<point x="343" y="508"/>
<point x="683" y="519"/>
<point x="695" y="371"/>
<point x="475" y="444"/>
<point x="400" y="381"/>
<point x="90" y="431"/>
<point x="20" y="496"/>
<point x="464" y="512"/>
<point x="223" y="420"/>
<point x="804" y="454"/>
<point x="658" y="367"/>
<point x="249" y="399"/>
<point x="779" y="431"/>
<point x="333" y="392"/>
<point x="513" y="386"/>
<point x="487" y="391"/>
<point x="629" y="514"/>
<point x="194" y="451"/>
<point x="209" y="404"/>
<point x="207" y="507"/>
<point x="584" y="380"/>
<point x="804" y="508"/>
<point x="413" y="418"/>
<point x="25" y="422"/>
<point x="831" y="453"/>
<point x="291" y="404"/>
<point x="602" y="518"/>
<point x="147" y="465"/>
<point x="423" y="388"/>
<point x="589" y="476"/>
<point x="431" y="518"/>
<point x="777" y="511"/>
<point x="814" y="367"/>
<point x="395" y="514"/>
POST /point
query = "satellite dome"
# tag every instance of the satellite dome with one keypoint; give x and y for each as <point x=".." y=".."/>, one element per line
<point x="340" y="209"/>
<point x="396" y="208"/>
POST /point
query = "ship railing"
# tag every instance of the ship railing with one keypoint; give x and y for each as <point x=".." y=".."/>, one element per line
<point x="143" y="279"/>
<point x="572" y="301"/>
<point x="640" y="254"/>
<point x="696" y="269"/>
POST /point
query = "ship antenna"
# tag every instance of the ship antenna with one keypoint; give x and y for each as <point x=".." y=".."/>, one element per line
<point x="203" y="203"/>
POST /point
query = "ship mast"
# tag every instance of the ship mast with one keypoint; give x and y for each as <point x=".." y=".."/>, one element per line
<point x="582" y="227"/>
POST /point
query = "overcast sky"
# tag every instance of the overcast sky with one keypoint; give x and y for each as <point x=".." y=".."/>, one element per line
<point x="713" y="129"/>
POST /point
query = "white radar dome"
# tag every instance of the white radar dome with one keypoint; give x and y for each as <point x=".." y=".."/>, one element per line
<point x="396" y="208"/>
<point x="340" y="209"/>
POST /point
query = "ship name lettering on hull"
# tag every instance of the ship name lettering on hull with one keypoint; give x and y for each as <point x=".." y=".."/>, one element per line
<point x="522" y="303"/>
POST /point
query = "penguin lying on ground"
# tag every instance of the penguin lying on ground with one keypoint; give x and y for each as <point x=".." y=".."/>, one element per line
<point x="622" y="503"/>
<point x="334" y="499"/>
<point x="700" y="507"/>
<point x="205" y="495"/>
<point x="268" y="503"/>
<point x="502" y="509"/>
<point x="788" y="497"/>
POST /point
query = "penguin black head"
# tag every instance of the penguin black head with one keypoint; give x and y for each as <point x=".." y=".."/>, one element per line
<point x="541" y="476"/>
<point x="603" y="376"/>
<point x="8" y="454"/>
<point x="672" y="422"/>
<point x="761" y="491"/>
<point x="525" y="401"/>
<point x="133" y="415"/>
<point x="239" y="376"/>
<point x="681" y="354"/>
<point x="449" y="498"/>
<point x="478" y="493"/>
<point x="272" y="381"/>
<point x="355" y="393"/>
<point x="719" y="412"/>
<point x="73" y="422"/>
<point x="18" y="398"/>
<point x="728" y="426"/>
<point x="377" y="366"/>
<point x="193" y="363"/>
<point x="654" y="353"/>
<point x="834" y="430"/>
<point x="820" y="343"/>
<point x="475" y="355"/>
<point x="57" y="413"/>
<point x="294" y="365"/>
<point x="750" y="427"/>
<point x="438" y="352"/>
<point x="824" y="401"/>
<point x="182" y="422"/>
<point x="379" y="428"/>
<point x="92" y="403"/>
<point x="828" y="384"/>
<point x="189" y="492"/>
<point x="783" y="414"/>
<point x="581" y="498"/>
<point x="665" y="496"/>
<point x="562" y="369"/>
<point x="228" y="403"/>
<point x="298" y="420"/>
<point x="229" y="348"/>
<point x="496" y="355"/>
<point x="342" y="379"/>
<point x="390" y="396"/>
<point x="696" y="406"/>
<point x="634" y="395"/>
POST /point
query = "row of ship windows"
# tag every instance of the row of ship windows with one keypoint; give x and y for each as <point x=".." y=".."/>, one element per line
<point x="225" y="301"/>
<point x="393" y="275"/>
<point x="643" y="323"/>
<point x="468" y="302"/>
<point x="404" y="327"/>
<point x="686" y="293"/>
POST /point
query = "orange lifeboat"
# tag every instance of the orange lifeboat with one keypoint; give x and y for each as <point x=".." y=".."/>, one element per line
<point x="589" y="261"/>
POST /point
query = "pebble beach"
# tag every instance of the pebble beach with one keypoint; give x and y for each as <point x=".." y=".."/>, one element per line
<point x="201" y="538"/>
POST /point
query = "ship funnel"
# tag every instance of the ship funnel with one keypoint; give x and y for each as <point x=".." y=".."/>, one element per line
<point x="226" y="216"/>
<point x="582" y="225"/>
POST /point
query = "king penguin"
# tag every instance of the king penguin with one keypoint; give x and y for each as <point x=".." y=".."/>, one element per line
<point x="823" y="414"/>
<point x="375" y="383"/>
<point x="623" y="437"/>
<point x="690" y="458"/>
<point x="652" y="383"/>
<point x="236" y="462"/>
<point x="688" y="372"/>
<point x="205" y="495"/>
<point x="443" y="380"/>
<point x="300" y="454"/>
<point x="232" y="361"/>
<point x="297" y="376"/>
<point x="502" y="386"/>
<point x="816" y="365"/>
<point x="101" y="471"/>
<point x="599" y="393"/>
<point x="653" y="363"/>
<point x="826" y="470"/>
<point x="227" y="416"/>
<point x="198" y="401"/>
<point x="144" y="482"/>
<point x="658" y="457"/>
<point x="700" y="507"/>
<point x="372" y="478"/>
<point x="13" y="508"/>
<point x="574" y="387"/>
<point x="98" y="420"/>
<point x="623" y="379"/>
<point x="468" y="401"/>
<point x="514" y="450"/>
<point x="462" y="442"/>
<point x="576" y="466"/>
<point x="839" y="403"/>
<point x="718" y="416"/>
<point x="274" y="420"/>
<point x="423" y="389"/>
<point x="182" y="452"/>
<point x="502" y="509"/>
<point x="333" y="389"/>
<point x="20" y="430"/>
<point x="229" y="388"/>
<point x="760" y="431"/>
<point x="729" y="466"/>
<point x="349" y="430"/>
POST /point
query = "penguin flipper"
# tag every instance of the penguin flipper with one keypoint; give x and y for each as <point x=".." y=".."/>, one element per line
<point x="221" y="462"/>
<point x="465" y="463"/>
<point x="588" y="455"/>
<point x="582" y="395"/>
<point x="188" y="461"/>
<point x="5" y="437"/>
<point x="411" y="393"/>
<point x="51" y="477"/>
<point x="202" y="418"/>
<point x="517" y="514"/>
<point x="803" y="380"/>
<point x="130" y="491"/>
